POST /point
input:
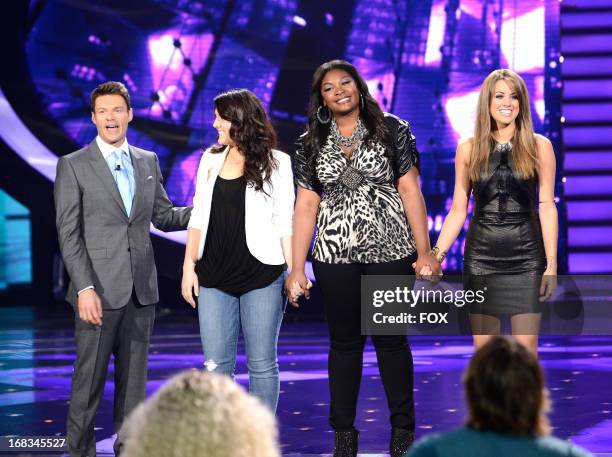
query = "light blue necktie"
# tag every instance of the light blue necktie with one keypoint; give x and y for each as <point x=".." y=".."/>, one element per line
<point x="123" y="179"/>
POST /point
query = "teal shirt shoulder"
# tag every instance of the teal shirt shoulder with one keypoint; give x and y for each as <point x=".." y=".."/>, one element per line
<point x="466" y="442"/>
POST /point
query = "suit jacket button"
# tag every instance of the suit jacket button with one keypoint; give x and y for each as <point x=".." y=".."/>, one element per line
<point x="129" y="224"/>
<point x="128" y="249"/>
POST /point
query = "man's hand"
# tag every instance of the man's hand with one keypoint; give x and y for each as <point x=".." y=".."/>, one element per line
<point x="90" y="307"/>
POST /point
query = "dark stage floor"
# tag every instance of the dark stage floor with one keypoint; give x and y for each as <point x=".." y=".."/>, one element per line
<point x="36" y="365"/>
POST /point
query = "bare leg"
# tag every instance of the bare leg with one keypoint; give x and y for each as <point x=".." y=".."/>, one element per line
<point x="525" y="329"/>
<point x="483" y="328"/>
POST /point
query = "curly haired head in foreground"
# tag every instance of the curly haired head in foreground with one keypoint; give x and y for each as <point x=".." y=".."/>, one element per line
<point x="200" y="414"/>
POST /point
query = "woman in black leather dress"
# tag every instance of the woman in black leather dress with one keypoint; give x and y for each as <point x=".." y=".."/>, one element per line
<point x="510" y="248"/>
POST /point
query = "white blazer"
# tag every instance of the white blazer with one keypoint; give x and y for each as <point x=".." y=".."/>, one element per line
<point x="267" y="218"/>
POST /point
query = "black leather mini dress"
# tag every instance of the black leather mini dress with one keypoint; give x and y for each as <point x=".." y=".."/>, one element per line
<point x="504" y="250"/>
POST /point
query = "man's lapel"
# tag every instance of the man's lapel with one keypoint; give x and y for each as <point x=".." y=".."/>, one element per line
<point x="100" y="167"/>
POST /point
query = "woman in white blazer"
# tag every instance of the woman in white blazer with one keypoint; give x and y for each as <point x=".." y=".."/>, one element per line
<point x="239" y="242"/>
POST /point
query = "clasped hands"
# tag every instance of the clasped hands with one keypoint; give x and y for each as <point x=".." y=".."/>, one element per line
<point x="296" y="285"/>
<point x="427" y="266"/>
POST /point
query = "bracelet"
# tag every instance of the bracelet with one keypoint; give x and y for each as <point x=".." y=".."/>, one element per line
<point x="439" y="255"/>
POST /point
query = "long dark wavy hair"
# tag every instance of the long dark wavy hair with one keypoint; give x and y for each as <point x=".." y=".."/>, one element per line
<point x="504" y="385"/>
<point x="252" y="133"/>
<point x="371" y="114"/>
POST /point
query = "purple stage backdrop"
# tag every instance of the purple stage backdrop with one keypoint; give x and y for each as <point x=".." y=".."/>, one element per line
<point x="423" y="61"/>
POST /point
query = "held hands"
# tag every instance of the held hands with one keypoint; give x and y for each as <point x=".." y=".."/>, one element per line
<point x="428" y="267"/>
<point x="190" y="285"/>
<point x="296" y="285"/>
<point x="90" y="307"/>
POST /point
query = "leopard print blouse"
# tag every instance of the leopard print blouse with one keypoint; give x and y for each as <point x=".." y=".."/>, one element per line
<point x="361" y="217"/>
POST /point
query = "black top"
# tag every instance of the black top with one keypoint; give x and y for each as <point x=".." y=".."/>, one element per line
<point x="361" y="217"/>
<point x="226" y="263"/>
<point x="500" y="189"/>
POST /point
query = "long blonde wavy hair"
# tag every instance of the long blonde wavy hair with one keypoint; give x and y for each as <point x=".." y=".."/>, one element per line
<point x="523" y="142"/>
<point x="199" y="413"/>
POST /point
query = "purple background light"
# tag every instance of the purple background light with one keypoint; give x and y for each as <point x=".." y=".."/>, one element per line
<point x="424" y="61"/>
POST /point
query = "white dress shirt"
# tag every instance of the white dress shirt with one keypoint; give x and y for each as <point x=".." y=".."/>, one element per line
<point x="108" y="149"/>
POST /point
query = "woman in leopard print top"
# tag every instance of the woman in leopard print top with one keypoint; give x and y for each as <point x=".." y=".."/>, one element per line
<point x="356" y="170"/>
<point x="361" y="218"/>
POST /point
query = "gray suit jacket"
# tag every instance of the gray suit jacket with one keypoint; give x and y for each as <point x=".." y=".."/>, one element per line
<point x="100" y="245"/>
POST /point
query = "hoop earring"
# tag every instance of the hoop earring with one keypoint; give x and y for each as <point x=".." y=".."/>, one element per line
<point x="361" y="101"/>
<point x="320" y="118"/>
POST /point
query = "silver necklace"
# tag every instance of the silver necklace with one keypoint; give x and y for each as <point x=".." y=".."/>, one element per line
<point x="357" y="136"/>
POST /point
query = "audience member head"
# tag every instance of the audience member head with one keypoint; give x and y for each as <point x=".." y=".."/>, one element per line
<point x="200" y="414"/>
<point x="505" y="391"/>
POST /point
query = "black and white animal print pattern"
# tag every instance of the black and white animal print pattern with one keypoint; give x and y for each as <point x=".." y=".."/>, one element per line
<point x="361" y="217"/>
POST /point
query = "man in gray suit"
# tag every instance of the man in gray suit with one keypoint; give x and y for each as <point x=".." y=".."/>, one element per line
<point x="106" y="196"/>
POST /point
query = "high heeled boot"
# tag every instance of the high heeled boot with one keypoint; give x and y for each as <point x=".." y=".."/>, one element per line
<point x="345" y="443"/>
<point x="401" y="440"/>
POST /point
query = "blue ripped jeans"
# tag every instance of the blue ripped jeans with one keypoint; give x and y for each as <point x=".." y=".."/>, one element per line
<point x="260" y="314"/>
